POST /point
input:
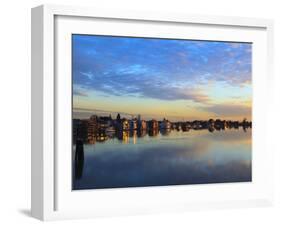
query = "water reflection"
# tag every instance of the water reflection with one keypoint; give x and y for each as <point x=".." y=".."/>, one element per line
<point x="164" y="157"/>
<point x="153" y="132"/>
<point x="165" y="132"/>
<point x="79" y="159"/>
<point x="123" y="136"/>
<point x="141" y="133"/>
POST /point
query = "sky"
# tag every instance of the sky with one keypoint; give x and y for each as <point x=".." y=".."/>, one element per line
<point x="161" y="78"/>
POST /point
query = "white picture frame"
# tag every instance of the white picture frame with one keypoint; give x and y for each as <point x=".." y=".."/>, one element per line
<point x="52" y="198"/>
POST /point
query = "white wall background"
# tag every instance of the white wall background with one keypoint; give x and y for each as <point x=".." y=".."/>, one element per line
<point x="15" y="111"/>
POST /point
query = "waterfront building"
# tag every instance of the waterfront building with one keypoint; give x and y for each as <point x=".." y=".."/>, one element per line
<point x="133" y="124"/>
<point x="142" y="125"/>
<point x="196" y="124"/>
<point x="92" y="129"/>
<point x="165" y="124"/>
<point x="153" y="132"/>
<point x="104" y="122"/>
<point x="153" y="124"/>
<point x="125" y="124"/>
<point x="141" y="132"/>
<point x="185" y="126"/>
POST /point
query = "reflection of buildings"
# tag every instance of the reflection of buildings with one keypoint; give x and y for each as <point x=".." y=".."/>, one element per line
<point x="79" y="159"/>
<point x="92" y="129"/>
<point x="211" y="123"/>
<point x="124" y="136"/>
<point x="231" y="124"/>
<point x="177" y="126"/>
<point x="246" y="124"/>
<point x="142" y="125"/>
<point x="211" y="129"/>
<point x="196" y="125"/>
<point x="101" y="137"/>
<point x="101" y="128"/>
<point x="141" y="133"/>
<point x="185" y="126"/>
<point x="165" y="132"/>
<point x="133" y="135"/>
<point x="110" y="134"/>
<point x="153" y="132"/>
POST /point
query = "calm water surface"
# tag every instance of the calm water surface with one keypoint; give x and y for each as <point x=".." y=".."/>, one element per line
<point x="169" y="158"/>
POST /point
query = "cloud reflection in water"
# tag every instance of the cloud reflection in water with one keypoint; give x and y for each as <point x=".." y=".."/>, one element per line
<point x="194" y="157"/>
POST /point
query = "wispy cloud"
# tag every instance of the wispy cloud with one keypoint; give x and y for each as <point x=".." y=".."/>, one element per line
<point x="227" y="110"/>
<point x="77" y="92"/>
<point x="157" y="68"/>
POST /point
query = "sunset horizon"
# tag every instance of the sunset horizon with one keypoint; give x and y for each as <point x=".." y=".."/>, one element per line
<point x="157" y="78"/>
<point x="87" y="113"/>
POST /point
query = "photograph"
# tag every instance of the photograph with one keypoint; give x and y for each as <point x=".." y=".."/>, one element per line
<point x="150" y="111"/>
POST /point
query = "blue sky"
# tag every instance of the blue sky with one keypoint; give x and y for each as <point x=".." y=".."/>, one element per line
<point x="161" y="77"/>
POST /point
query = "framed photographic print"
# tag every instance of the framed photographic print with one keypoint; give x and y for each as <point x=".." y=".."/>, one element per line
<point x="137" y="112"/>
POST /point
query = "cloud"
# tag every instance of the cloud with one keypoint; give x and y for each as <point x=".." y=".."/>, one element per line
<point x="79" y="93"/>
<point x="174" y="93"/>
<point x="157" y="68"/>
<point x="226" y="110"/>
<point x="89" y="75"/>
